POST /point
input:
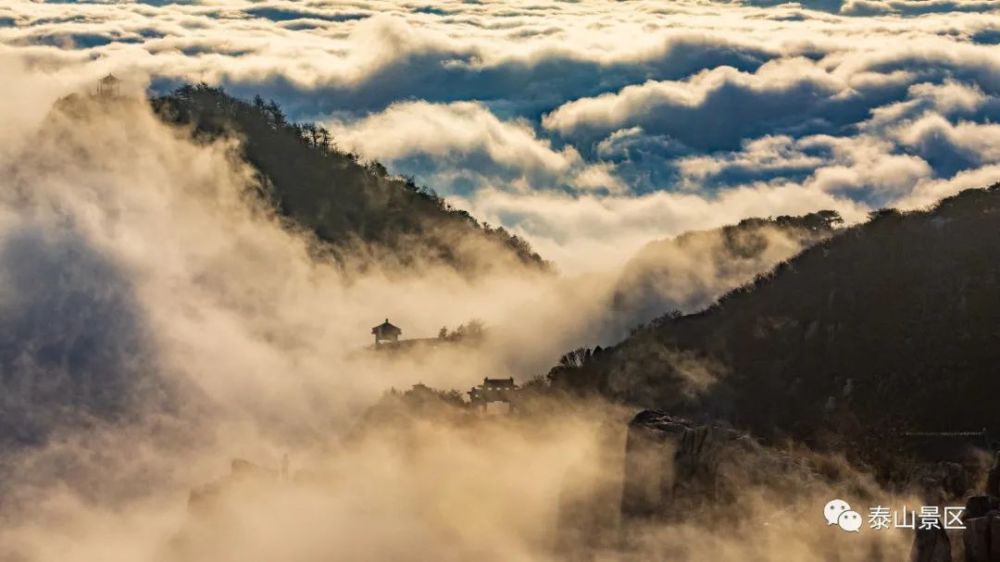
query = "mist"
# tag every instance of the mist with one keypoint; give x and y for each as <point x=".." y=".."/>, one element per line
<point x="160" y="320"/>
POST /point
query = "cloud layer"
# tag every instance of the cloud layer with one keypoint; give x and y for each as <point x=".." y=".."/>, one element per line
<point x="859" y="104"/>
<point x="589" y="127"/>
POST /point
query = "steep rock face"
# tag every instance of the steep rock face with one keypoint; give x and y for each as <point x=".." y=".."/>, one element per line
<point x="658" y="470"/>
<point x="670" y="461"/>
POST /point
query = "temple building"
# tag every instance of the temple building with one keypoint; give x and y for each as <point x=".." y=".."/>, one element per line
<point x="386" y="333"/>
<point x="109" y="86"/>
<point x="494" y="390"/>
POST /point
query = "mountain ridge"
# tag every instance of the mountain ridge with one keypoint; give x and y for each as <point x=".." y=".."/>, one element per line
<point x="352" y="207"/>
<point x="891" y="324"/>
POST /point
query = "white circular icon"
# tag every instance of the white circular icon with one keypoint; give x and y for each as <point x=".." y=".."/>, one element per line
<point x="833" y="510"/>
<point x="850" y="521"/>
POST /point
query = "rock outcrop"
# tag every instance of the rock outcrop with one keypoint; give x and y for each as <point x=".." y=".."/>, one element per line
<point x="980" y="541"/>
<point x="667" y="458"/>
<point x="673" y="465"/>
<point x="982" y="529"/>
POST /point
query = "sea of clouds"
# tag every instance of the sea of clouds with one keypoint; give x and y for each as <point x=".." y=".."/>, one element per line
<point x="592" y="127"/>
<point x="158" y="322"/>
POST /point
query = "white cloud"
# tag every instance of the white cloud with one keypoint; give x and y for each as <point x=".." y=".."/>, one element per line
<point x="465" y="137"/>
<point x="948" y="98"/>
<point x="928" y="192"/>
<point x="718" y="110"/>
<point x="590" y="233"/>
<point x="678" y="106"/>
<point x="695" y="97"/>
<point x="980" y="142"/>
<point x="761" y="155"/>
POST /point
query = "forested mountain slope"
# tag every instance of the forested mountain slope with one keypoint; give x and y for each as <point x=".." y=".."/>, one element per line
<point x="892" y="325"/>
<point x="359" y="210"/>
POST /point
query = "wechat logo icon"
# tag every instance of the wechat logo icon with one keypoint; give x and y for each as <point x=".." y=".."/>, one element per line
<point x="839" y="513"/>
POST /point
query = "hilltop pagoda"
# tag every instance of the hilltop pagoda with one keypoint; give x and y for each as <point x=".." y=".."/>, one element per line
<point x="109" y="86"/>
<point x="386" y="333"/>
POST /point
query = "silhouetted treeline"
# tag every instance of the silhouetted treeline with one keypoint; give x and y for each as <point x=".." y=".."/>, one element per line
<point x="891" y="325"/>
<point x="356" y="207"/>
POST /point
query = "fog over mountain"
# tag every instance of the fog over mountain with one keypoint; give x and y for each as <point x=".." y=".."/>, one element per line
<point x="883" y="327"/>
<point x="213" y="214"/>
<point x="165" y="313"/>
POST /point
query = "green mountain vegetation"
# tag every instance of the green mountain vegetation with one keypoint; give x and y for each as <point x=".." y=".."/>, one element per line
<point x="888" y="327"/>
<point x="359" y="211"/>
